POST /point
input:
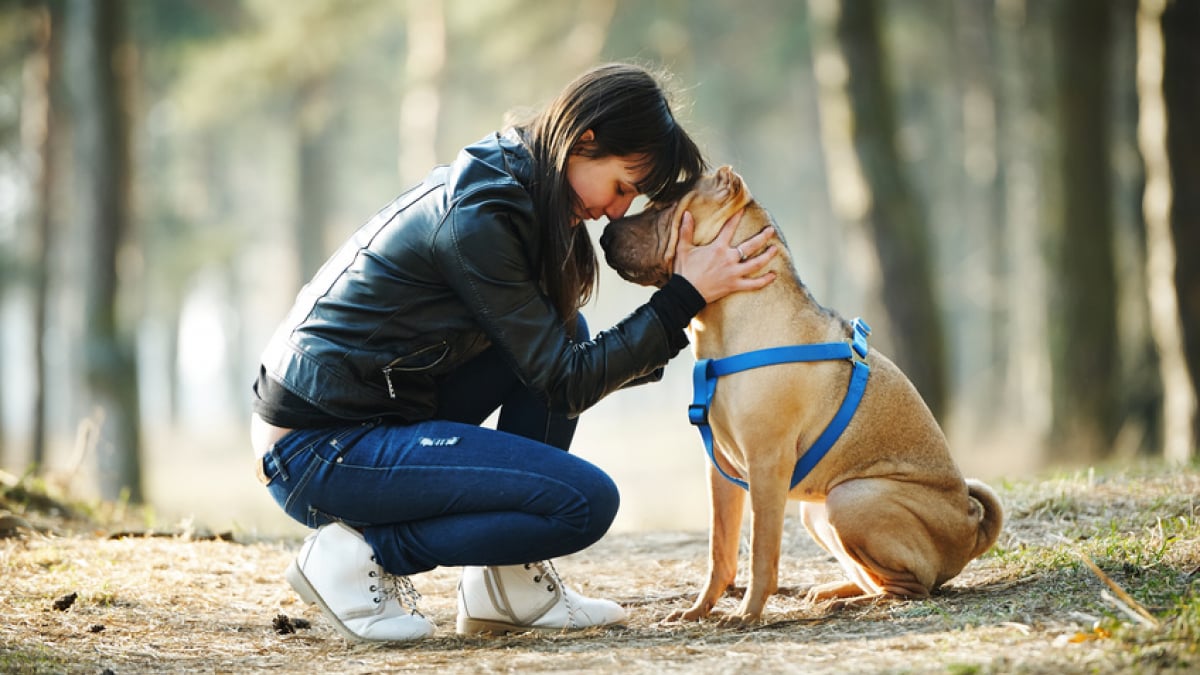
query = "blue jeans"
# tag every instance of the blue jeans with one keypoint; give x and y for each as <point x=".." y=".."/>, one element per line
<point x="448" y="491"/>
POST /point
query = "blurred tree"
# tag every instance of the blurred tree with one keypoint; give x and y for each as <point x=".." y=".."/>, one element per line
<point x="868" y="182"/>
<point x="420" y="90"/>
<point x="982" y="184"/>
<point x="1083" y="326"/>
<point x="1022" y="47"/>
<point x="1181" y="77"/>
<point x="313" y="169"/>
<point x="1167" y="73"/>
<point x="284" y="62"/>
<point x="182" y="186"/>
<point x="37" y="122"/>
<point x="97" y="73"/>
<point x="13" y="48"/>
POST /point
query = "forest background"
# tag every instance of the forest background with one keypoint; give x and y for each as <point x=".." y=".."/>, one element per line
<point x="1005" y="189"/>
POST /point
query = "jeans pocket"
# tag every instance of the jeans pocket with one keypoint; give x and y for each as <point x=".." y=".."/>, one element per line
<point x="338" y="442"/>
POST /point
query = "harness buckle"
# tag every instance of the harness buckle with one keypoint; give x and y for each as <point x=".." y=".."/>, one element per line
<point x="698" y="413"/>
<point x="858" y="342"/>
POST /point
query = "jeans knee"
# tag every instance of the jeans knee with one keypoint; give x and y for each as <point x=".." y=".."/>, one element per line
<point x="603" y="502"/>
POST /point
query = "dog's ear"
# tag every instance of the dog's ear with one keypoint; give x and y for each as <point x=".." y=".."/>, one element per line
<point x="673" y="232"/>
<point x="723" y="194"/>
<point x="728" y="179"/>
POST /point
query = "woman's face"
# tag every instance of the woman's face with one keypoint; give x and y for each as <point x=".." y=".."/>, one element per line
<point x="604" y="186"/>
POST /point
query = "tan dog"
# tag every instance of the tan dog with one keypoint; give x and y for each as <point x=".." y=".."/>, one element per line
<point x="887" y="501"/>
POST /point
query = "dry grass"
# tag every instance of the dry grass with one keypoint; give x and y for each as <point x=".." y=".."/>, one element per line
<point x="186" y="603"/>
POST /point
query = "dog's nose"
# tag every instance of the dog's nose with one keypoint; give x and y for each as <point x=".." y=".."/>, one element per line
<point x="605" y="237"/>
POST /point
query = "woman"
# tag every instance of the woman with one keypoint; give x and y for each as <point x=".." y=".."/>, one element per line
<point x="459" y="298"/>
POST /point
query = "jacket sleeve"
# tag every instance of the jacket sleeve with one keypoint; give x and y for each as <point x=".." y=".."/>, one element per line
<point x="486" y="248"/>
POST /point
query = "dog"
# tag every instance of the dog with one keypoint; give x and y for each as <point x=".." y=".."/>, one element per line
<point x="887" y="501"/>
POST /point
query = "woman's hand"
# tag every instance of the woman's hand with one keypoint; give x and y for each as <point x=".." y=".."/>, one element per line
<point x="719" y="268"/>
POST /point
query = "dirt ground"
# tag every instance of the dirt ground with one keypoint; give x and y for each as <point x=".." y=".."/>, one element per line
<point x="189" y="603"/>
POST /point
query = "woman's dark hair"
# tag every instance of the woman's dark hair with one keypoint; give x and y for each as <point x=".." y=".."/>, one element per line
<point x="627" y="110"/>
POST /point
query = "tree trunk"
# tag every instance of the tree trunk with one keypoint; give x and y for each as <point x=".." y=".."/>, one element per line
<point x="420" y="97"/>
<point x="983" y="215"/>
<point x="97" y="84"/>
<point x="1083" y="329"/>
<point x="313" y="176"/>
<point x="1181" y="73"/>
<point x="851" y="66"/>
<point x="1020" y="48"/>
<point x="37" y="120"/>
<point x="1168" y="70"/>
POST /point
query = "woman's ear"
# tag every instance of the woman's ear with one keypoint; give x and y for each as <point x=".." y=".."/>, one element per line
<point x="586" y="139"/>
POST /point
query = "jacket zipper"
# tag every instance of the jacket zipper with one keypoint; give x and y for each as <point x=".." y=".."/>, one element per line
<point x="387" y="370"/>
<point x="387" y="376"/>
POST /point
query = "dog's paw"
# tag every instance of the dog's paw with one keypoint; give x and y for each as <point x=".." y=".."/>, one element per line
<point x="832" y="591"/>
<point x="739" y="620"/>
<point x="682" y="615"/>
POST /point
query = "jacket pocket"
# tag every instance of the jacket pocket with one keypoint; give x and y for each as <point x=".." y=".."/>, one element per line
<point x="422" y="359"/>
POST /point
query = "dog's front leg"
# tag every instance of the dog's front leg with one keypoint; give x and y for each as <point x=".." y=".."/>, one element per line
<point x="725" y="527"/>
<point x="768" y="503"/>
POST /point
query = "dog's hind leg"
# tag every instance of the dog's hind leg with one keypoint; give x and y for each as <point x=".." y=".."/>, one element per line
<point x="877" y="530"/>
<point x="815" y="517"/>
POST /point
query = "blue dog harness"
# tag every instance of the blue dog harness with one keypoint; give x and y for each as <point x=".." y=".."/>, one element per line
<point x="706" y="372"/>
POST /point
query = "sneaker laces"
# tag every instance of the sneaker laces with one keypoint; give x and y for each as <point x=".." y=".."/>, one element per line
<point x="394" y="586"/>
<point x="547" y="571"/>
<point x="402" y="589"/>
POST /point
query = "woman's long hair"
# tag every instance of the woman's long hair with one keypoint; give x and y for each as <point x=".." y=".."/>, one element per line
<point x="629" y="114"/>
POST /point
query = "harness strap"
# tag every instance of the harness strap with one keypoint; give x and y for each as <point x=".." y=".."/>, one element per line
<point x="704" y="385"/>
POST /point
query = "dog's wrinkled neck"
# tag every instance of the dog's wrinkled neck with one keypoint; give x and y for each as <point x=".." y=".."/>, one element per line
<point x="755" y="308"/>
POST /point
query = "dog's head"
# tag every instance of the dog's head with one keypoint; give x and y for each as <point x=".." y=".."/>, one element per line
<point x="641" y="248"/>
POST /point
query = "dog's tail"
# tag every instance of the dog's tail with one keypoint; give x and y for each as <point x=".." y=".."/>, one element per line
<point x="990" y="520"/>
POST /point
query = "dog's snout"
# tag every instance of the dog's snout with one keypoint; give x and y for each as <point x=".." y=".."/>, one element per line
<point x="606" y="237"/>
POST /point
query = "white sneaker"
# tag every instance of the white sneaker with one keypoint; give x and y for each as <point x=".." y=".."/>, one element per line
<point x="336" y="570"/>
<point x="519" y="598"/>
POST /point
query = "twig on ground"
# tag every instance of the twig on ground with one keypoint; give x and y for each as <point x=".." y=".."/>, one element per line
<point x="1123" y="601"/>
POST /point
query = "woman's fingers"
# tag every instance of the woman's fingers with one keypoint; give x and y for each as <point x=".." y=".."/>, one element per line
<point x="725" y="236"/>
<point x="718" y="268"/>
<point x="756" y="245"/>
<point x="686" y="231"/>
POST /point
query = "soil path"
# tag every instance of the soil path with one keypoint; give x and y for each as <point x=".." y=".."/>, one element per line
<point x="179" y="604"/>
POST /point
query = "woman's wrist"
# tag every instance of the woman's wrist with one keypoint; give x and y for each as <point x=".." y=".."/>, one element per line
<point x="677" y="302"/>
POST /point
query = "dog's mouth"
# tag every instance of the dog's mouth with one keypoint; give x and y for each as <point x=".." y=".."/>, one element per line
<point x="656" y="279"/>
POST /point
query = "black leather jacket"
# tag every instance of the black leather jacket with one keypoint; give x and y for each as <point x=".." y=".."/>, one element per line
<point x="440" y="274"/>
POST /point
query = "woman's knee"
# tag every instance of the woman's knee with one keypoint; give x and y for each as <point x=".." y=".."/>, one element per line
<point x="609" y="499"/>
<point x="603" y="502"/>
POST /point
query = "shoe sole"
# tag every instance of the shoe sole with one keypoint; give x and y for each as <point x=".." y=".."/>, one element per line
<point x="299" y="583"/>
<point x="468" y="626"/>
